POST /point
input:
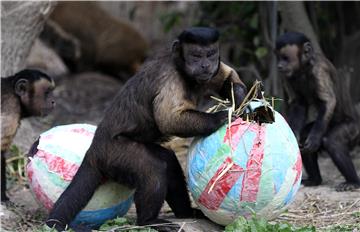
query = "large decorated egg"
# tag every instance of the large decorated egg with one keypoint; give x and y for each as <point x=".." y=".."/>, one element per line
<point x="60" y="153"/>
<point x="247" y="168"/>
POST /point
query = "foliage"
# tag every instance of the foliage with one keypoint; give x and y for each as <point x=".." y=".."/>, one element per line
<point x="239" y="24"/>
<point x="261" y="225"/>
<point x="123" y="224"/>
<point x="16" y="165"/>
<point x="344" y="228"/>
<point x="45" y="228"/>
<point x="170" y="20"/>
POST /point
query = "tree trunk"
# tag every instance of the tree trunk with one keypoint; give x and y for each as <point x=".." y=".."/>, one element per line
<point x="295" y="18"/>
<point x="21" y="23"/>
<point x="268" y="14"/>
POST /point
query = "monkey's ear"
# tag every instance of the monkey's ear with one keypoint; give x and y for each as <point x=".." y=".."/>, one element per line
<point x="175" y="46"/>
<point x="21" y="87"/>
<point x="308" y="52"/>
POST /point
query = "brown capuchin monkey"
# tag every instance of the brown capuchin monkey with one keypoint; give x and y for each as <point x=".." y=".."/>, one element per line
<point x="27" y="93"/>
<point x="311" y="81"/>
<point x="158" y="102"/>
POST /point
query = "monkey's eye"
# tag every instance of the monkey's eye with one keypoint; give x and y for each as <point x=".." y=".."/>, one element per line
<point x="211" y="53"/>
<point x="284" y="58"/>
<point x="47" y="92"/>
<point x="196" y="55"/>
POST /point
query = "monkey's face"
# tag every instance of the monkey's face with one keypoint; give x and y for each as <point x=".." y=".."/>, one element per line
<point x="38" y="98"/>
<point x="288" y="60"/>
<point x="201" y="62"/>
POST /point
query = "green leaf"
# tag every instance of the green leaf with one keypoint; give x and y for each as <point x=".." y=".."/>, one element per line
<point x="254" y="22"/>
<point x="169" y="20"/>
<point x="239" y="224"/>
<point x="261" y="52"/>
<point x="258" y="224"/>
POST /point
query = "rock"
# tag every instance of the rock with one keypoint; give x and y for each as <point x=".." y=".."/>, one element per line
<point x="44" y="58"/>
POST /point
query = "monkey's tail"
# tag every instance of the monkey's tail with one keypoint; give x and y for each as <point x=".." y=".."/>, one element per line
<point x="75" y="197"/>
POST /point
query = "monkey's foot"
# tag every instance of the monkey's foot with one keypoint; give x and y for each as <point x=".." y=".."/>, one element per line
<point x="199" y="214"/>
<point x="347" y="186"/>
<point x="192" y="213"/>
<point x="311" y="182"/>
<point x="53" y="224"/>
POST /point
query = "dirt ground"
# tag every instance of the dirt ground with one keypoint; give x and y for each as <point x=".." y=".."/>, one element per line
<point x="320" y="206"/>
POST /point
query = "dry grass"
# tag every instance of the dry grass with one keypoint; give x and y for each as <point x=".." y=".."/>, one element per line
<point x="324" y="215"/>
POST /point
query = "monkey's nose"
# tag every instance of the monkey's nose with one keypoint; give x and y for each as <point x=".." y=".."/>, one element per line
<point x="205" y="65"/>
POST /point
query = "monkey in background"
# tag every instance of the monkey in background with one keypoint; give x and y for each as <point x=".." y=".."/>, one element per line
<point x="158" y="102"/>
<point x="27" y="93"/>
<point x="310" y="80"/>
<point x="106" y="44"/>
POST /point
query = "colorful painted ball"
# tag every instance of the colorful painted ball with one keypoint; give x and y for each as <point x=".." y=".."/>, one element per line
<point x="60" y="153"/>
<point x="245" y="169"/>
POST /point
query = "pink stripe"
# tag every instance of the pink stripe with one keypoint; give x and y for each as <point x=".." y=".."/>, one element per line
<point x="40" y="195"/>
<point x="83" y="132"/>
<point x="250" y="184"/>
<point x="47" y="137"/>
<point x="297" y="167"/>
<point x="223" y="185"/>
<point x="237" y="130"/>
<point x="58" y="165"/>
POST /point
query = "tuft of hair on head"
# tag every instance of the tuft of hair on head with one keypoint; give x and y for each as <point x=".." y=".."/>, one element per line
<point x="31" y="75"/>
<point x="199" y="35"/>
<point x="291" y="38"/>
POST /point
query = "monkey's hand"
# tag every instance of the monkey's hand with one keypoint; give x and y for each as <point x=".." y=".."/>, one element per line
<point x="220" y="118"/>
<point x="312" y="144"/>
<point x="240" y="92"/>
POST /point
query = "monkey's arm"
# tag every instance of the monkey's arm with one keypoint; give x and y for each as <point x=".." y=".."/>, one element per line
<point x="177" y="116"/>
<point x="229" y="76"/>
<point x="190" y="123"/>
<point x="296" y="110"/>
<point x="296" y="116"/>
<point x="326" y="102"/>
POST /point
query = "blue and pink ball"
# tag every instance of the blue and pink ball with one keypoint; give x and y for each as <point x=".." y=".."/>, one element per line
<point x="60" y="153"/>
<point x="244" y="169"/>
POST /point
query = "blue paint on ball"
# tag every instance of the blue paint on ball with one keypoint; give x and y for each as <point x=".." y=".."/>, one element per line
<point x="96" y="218"/>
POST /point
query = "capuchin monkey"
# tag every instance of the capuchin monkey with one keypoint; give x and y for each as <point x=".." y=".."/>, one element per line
<point x="88" y="39"/>
<point x="158" y="102"/>
<point x="310" y="80"/>
<point x="27" y="93"/>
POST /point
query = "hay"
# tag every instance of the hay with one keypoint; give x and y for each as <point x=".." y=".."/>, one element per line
<point x="323" y="214"/>
<point x="262" y="114"/>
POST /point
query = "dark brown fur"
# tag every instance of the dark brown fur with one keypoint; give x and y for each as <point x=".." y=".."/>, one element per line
<point x="29" y="100"/>
<point x="158" y="102"/>
<point x="311" y="85"/>
<point x="108" y="44"/>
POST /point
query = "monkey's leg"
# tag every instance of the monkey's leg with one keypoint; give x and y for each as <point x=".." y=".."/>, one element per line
<point x="75" y="197"/>
<point x="136" y="165"/>
<point x="3" y="178"/>
<point x="337" y="143"/>
<point x="177" y="194"/>
<point x="311" y="165"/>
<point x="310" y="161"/>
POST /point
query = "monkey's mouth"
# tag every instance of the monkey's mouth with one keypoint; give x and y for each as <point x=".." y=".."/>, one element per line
<point x="286" y="72"/>
<point x="203" y="77"/>
<point x="46" y="111"/>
